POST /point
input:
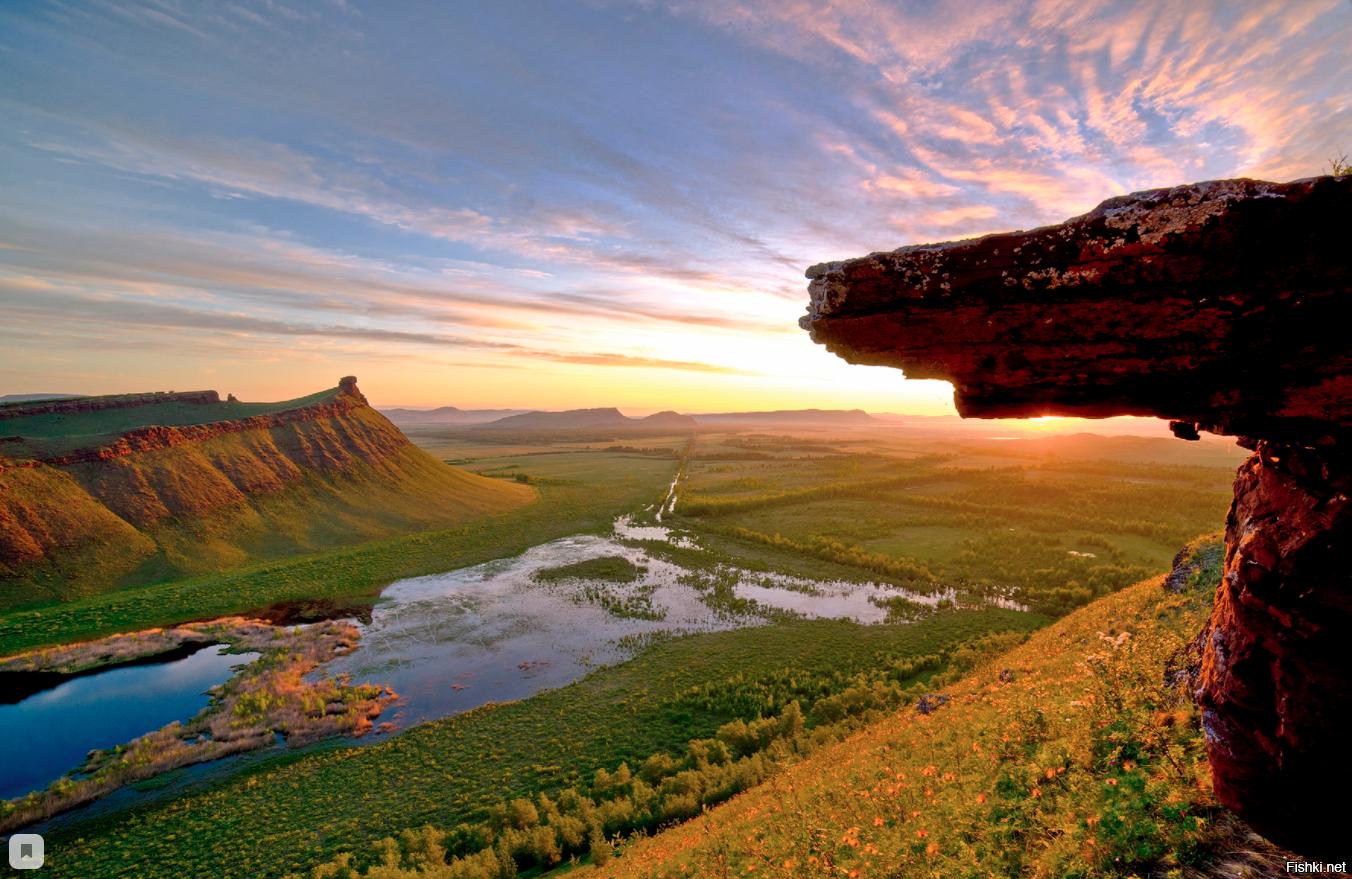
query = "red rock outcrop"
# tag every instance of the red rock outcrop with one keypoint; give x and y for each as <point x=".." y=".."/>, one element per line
<point x="1217" y="305"/>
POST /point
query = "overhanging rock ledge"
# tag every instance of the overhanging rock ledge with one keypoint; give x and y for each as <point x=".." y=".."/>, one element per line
<point x="1220" y="306"/>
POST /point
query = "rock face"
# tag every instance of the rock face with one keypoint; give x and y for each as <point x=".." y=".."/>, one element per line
<point x="1278" y="648"/>
<point x="1217" y="305"/>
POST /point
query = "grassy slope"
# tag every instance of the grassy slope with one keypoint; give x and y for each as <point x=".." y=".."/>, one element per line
<point x="1084" y="765"/>
<point x="342" y="573"/>
<point x="295" y="814"/>
<point x="229" y="501"/>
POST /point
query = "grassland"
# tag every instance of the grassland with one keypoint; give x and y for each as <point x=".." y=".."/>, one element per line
<point x="1049" y="532"/>
<point x="598" y="494"/>
<point x="294" y="813"/>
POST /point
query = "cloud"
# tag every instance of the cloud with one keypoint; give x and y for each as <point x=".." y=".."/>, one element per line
<point x="614" y="176"/>
<point x="631" y="362"/>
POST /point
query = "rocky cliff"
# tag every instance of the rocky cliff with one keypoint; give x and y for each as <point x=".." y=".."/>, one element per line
<point x="1219" y="306"/>
<point x="180" y="494"/>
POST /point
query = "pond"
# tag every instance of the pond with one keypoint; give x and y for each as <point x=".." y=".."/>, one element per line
<point x="49" y="732"/>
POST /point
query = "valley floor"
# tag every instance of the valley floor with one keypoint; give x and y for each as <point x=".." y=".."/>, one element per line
<point x="799" y="721"/>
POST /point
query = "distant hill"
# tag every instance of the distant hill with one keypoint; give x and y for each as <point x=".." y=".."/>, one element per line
<point x="923" y="419"/>
<point x="102" y="492"/>
<point x="790" y="416"/>
<point x="18" y="398"/>
<point x="668" y="419"/>
<point x="448" y="415"/>
<point x="610" y="417"/>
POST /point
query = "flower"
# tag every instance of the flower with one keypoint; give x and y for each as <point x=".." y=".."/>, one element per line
<point x="1112" y="782"/>
<point x="922" y="833"/>
<point x="877" y="822"/>
<point x="980" y="798"/>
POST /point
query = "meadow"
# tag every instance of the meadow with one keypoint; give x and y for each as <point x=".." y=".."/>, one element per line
<point x="295" y="812"/>
<point x="1045" y="531"/>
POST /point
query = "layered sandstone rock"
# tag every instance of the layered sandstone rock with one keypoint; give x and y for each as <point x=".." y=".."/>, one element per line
<point x="1220" y="306"/>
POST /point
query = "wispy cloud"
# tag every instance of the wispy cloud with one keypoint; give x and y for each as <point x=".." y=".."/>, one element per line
<point x="613" y="185"/>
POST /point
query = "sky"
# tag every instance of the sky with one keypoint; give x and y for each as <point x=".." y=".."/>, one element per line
<point x="574" y="204"/>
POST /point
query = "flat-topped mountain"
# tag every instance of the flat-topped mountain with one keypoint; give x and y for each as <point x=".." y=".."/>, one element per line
<point x="15" y="398"/>
<point x="102" y="492"/>
<point x="790" y="416"/>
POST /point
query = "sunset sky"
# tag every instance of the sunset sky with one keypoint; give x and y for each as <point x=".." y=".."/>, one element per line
<point x="572" y="204"/>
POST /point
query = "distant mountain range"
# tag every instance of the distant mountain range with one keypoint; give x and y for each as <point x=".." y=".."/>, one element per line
<point x="524" y="419"/>
<point x="608" y="417"/>
<point x="448" y="415"/>
<point x="790" y="416"/>
<point x="668" y="419"/>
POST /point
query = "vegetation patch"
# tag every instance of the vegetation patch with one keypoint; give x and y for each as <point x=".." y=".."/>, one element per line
<point x="267" y="698"/>
<point x="1078" y="754"/>
<point x="612" y="568"/>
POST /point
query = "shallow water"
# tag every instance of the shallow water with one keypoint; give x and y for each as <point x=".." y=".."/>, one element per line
<point x="490" y="633"/>
<point x="50" y="733"/>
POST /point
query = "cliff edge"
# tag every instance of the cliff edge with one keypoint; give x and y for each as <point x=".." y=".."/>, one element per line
<point x="102" y="492"/>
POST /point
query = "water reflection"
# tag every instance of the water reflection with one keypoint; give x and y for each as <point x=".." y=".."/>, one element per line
<point x="50" y="733"/>
<point x="491" y="633"/>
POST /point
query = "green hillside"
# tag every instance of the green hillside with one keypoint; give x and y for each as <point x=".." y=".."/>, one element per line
<point x="157" y="492"/>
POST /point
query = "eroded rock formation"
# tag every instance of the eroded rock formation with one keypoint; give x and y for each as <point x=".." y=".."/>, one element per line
<point x="1219" y="306"/>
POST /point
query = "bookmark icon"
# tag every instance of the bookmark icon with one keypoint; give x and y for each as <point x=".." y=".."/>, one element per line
<point x="26" y="851"/>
